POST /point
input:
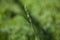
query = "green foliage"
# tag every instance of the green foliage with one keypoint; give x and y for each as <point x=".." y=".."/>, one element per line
<point x="29" y="19"/>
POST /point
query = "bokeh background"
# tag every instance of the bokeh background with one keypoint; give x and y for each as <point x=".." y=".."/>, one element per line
<point x="29" y="19"/>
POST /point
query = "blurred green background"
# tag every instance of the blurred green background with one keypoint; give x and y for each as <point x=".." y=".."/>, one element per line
<point x="29" y="19"/>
